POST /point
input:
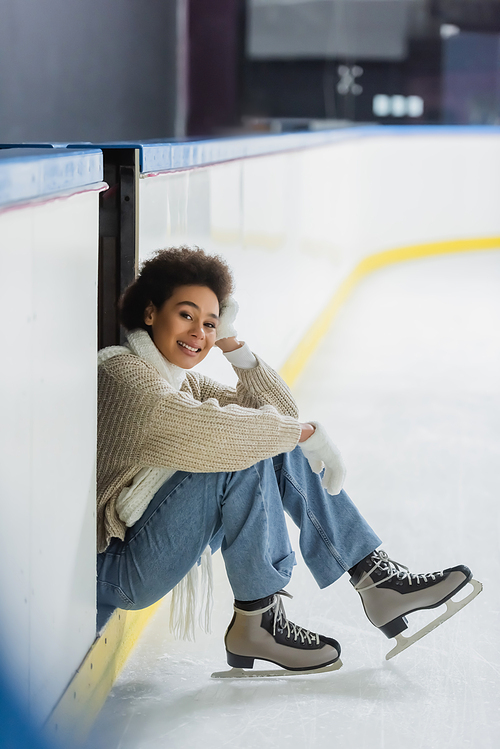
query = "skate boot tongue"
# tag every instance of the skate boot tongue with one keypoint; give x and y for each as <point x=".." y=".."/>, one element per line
<point x="378" y="568"/>
<point x="282" y="625"/>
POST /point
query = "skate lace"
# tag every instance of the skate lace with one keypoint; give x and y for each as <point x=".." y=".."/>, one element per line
<point x="281" y="623"/>
<point x="382" y="561"/>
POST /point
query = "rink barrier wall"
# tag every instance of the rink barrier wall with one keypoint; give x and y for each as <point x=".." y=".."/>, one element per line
<point x="80" y="705"/>
<point x="295" y="223"/>
<point x="48" y="388"/>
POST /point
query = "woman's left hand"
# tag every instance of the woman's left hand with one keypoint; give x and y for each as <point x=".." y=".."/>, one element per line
<point x="322" y="453"/>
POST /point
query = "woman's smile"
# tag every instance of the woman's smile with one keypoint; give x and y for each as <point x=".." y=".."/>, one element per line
<point x="188" y="348"/>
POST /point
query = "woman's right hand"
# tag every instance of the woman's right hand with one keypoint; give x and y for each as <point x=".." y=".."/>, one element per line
<point x="228" y="312"/>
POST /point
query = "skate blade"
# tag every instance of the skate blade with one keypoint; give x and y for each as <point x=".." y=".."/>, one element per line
<point x="452" y="607"/>
<point x="241" y="673"/>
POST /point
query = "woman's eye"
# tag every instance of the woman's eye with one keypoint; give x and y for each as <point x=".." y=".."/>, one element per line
<point x="210" y="325"/>
<point x="186" y="315"/>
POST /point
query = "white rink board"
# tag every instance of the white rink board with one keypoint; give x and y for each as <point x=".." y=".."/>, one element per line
<point x="293" y="225"/>
<point x="48" y="301"/>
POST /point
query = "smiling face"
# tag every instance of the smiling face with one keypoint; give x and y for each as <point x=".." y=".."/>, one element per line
<point x="184" y="328"/>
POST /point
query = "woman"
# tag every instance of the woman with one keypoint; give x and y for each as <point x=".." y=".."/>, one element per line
<point x="185" y="463"/>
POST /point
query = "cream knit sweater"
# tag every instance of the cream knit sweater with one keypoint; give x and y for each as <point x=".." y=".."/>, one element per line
<point x="205" y="427"/>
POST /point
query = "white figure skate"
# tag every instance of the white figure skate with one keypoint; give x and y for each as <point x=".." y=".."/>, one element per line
<point x="389" y="592"/>
<point x="261" y="631"/>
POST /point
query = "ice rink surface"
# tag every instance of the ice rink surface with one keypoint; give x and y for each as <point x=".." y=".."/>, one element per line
<point x="407" y="381"/>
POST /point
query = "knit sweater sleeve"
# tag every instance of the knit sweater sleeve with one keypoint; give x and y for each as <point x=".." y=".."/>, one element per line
<point x="256" y="387"/>
<point x="148" y="423"/>
<point x="205" y="437"/>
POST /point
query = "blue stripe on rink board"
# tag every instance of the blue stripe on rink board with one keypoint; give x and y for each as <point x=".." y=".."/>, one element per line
<point x="29" y="173"/>
<point x="186" y="153"/>
<point x="197" y="153"/>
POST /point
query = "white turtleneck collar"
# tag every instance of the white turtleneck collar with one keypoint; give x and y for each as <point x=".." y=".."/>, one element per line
<point x="140" y="343"/>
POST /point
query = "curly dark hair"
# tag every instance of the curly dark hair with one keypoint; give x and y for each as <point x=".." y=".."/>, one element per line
<point x="164" y="272"/>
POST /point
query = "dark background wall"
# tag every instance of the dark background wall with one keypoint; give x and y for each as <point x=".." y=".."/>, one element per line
<point x="216" y="31"/>
<point x="88" y="70"/>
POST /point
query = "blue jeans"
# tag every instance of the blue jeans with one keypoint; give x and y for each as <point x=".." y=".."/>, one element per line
<point x="243" y="513"/>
